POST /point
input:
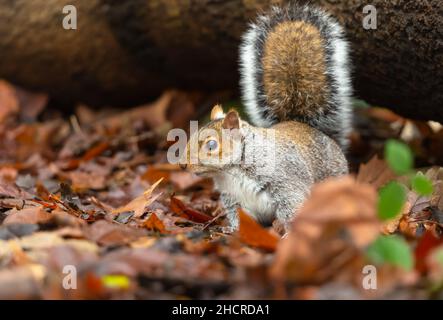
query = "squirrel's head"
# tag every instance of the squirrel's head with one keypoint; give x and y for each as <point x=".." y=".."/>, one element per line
<point x="216" y="145"/>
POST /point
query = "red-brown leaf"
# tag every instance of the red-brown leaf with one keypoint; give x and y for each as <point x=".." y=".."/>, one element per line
<point x="178" y="207"/>
<point x="426" y="244"/>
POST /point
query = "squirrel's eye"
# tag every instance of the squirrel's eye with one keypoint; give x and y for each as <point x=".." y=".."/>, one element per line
<point x="211" y="145"/>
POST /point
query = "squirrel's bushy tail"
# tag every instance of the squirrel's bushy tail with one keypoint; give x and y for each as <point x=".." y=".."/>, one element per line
<point x="294" y="66"/>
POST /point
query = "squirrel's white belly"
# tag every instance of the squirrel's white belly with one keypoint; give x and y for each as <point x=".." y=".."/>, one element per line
<point x="248" y="194"/>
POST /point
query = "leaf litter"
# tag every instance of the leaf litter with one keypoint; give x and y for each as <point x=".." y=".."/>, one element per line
<point x="94" y="190"/>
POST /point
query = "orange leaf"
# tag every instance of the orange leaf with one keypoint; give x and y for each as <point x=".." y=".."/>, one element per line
<point x="95" y="151"/>
<point x="94" y="284"/>
<point x="42" y="192"/>
<point x="155" y="224"/>
<point x="89" y="155"/>
<point x="178" y="207"/>
<point x="255" y="235"/>
<point x="48" y="205"/>
<point x="153" y="174"/>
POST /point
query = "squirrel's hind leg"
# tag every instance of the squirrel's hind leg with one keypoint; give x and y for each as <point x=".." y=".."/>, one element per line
<point x="286" y="212"/>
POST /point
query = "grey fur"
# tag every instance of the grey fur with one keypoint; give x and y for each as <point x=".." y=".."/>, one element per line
<point x="280" y="191"/>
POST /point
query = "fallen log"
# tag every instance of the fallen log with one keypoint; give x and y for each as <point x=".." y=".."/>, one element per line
<point x="126" y="52"/>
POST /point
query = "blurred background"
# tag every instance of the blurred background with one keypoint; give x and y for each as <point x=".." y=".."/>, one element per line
<point x="125" y="53"/>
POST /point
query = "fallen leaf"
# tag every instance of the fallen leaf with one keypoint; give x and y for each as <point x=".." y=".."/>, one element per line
<point x="116" y="281"/>
<point x="22" y="282"/>
<point x="82" y="181"/>
<point x="154" y="174"/>
<point x="30" y="215"/>
<point x="10" y="190"/>
<point x="153" y="114"/>
<point x="426" y="244"/>
<point x="124" y="217"/>
<point x="9" y="104"/>
<point x="384" y="114"/>
<point x="8" y="174"/>
<point x="335" y="224"/>
<point x="111" y="234"/>
<point x="179" y="208"/>
<point x="139" y="204"/>
<point x="376" y="173"/>
<point x="92" y="153"/>
<point x="183" y="180"/>
<point x="31" y="104"/>
<point x="154" y="223"/>
<point x="251" y="233"/>
<point x="16" y="230"/>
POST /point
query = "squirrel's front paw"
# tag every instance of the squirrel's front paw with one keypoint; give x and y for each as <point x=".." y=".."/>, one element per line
<point x="228" y="229"/>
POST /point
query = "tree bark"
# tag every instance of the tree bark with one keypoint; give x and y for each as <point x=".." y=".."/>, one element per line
<point x="126" y="52"/>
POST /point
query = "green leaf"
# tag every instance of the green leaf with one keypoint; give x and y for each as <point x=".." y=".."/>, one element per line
<point x="399" y="156"/>
<point x="422" y="185"/>
<point x="391" y="199"/>
<point x="358" y="103"/>
<point x="392" y="250"/>
<point x="116" y="281"/>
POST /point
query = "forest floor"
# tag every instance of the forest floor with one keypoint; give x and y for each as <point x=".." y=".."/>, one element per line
<point x="90" y="208"/>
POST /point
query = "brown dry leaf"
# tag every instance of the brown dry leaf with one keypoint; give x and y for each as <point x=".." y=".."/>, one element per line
<point x="154" y="223"/>
<point x="139" y="204"/>
<point x="179" y="208"/>
<point x="383" y="114"/>
<point x="329" y="231"/>
<point x="153" y="114"/>
<point x="22" y="282"/>
<point x="111" y="234"/>
<point x="8" y="174"/>
<point x="154" y="174"/>
<point x="251" y="233"/>
<point x="85" y="114"/>
<point x="421" y="212"/>
<point x="31" y="104"/>
<point x="40" y="240"/>
<point x="9" y="104"/>
<point x="32" y="215"/>
<point x="30" y="140"/>
<point x="86" y="180"/>
<point x="183" y="180"/>
<point x="376" y="172"/>
<point x="92" y="153"/>
<point x="182" y="108"/>
<point x="11" y="190"/>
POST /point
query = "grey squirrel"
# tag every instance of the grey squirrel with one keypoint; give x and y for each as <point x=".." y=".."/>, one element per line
<point x="295" y="82"/>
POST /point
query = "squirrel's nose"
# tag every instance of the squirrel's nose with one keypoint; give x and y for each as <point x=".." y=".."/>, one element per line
<point x="183" y="165"/>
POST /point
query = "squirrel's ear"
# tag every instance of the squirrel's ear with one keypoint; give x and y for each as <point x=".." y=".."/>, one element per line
<point x="232" y="120"/>
<point x="217" y="112"/>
